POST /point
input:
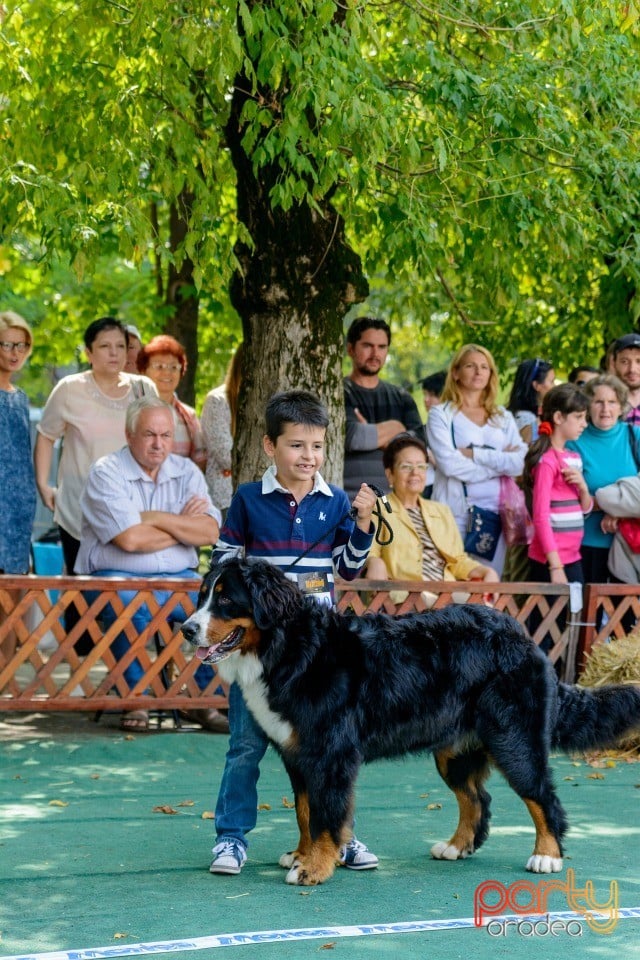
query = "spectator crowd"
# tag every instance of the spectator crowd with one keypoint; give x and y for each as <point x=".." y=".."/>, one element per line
<point x="541" y="488"/>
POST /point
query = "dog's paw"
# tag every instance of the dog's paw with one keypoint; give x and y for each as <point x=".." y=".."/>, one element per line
<point x="443" y="850"/>
<point x="287" y="860"/>
<point x="300" y="876"/>
<point x="541" y="864"/>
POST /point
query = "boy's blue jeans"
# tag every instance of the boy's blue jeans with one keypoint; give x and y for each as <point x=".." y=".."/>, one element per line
<point x="141" y="618"/>
<point x="237" y="805"/>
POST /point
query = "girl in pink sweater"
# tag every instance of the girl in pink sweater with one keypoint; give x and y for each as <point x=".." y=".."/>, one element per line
<point x="555" y="489"/>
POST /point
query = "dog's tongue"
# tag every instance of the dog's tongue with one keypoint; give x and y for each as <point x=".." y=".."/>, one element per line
<point x="203" y="652"/>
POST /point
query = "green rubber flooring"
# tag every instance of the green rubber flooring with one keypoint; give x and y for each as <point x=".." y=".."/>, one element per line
<point x="91" y="868"/>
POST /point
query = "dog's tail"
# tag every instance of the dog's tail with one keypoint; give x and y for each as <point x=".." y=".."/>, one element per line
<point x="591" y="718"/>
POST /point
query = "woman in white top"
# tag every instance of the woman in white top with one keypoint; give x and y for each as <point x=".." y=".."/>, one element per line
<point x="474" y="441"/>
<point x="87" y="411"/>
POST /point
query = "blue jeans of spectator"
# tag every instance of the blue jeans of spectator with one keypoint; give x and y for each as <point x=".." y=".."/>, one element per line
<point x="141" y="619"/>
<point x="237" y="805"/>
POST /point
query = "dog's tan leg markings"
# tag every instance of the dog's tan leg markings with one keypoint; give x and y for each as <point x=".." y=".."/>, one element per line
<point x="462" y="843"/>
<point x="547" y="856"/>
<point x="317" y="864"/>
<point x="304" y="842"/>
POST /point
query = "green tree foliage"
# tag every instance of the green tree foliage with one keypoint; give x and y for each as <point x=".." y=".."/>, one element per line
<point x="483" y="156"/>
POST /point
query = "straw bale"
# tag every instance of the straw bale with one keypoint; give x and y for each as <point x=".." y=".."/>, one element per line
<point x="615" y="662"/>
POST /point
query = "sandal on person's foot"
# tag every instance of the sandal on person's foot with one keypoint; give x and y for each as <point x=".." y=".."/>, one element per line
<point x="211" y="720"/>
<point x="135" y="721"/>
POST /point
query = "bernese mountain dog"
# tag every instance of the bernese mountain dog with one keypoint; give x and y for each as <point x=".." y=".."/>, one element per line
<point x="333" y="691"/>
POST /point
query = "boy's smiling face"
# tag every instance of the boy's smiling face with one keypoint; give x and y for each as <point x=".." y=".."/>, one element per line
<point x="298" y="454"/>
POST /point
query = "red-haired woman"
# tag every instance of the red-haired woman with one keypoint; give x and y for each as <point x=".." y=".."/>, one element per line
<point x="164" y="361"/>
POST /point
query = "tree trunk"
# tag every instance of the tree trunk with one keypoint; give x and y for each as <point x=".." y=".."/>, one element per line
<point x="292" y="292"/>
<point x="182" y="297"/>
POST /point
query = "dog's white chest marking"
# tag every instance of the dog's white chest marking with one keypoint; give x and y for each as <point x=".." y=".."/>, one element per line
<point x="248" y="675"/>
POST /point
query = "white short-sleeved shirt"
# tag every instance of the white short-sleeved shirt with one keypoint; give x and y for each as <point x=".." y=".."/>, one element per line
<point x="116" y="492"/>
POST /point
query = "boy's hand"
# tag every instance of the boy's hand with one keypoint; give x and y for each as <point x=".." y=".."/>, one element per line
<point x="364" y="502"/>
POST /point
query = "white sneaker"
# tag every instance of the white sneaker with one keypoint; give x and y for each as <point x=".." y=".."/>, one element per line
<point x="357" y="856"/>
<point x="229" y="856"/>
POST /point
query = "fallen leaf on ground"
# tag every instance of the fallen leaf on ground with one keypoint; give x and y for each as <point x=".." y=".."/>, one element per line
<point x="264" y="806"/>
<point x="327" y="946"/>
<point x="595" y="776"/>
<point x="287" y="803"/>
<point x="58" y="803"/>
<point x="164" y="808"/>
<point x="95" y="776"/>
<point x="120" y="936"/>
<point x="208" y="815"/>
<point x="187" y="803"/>
<point x="434" y="806"/>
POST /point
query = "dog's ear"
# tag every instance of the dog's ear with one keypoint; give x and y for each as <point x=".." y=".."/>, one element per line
<point x="274" y="598"/>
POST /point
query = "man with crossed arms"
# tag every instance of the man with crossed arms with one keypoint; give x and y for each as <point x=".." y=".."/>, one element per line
<point x="144" y="513"/>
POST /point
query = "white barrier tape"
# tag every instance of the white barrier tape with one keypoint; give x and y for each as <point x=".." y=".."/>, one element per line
<point x="279" y="936"/>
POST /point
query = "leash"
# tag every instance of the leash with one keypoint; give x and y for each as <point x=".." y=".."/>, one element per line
<point x="381" y="522"/>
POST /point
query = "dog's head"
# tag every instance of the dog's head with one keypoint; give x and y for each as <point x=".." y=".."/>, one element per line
<point x="238" y="601"/>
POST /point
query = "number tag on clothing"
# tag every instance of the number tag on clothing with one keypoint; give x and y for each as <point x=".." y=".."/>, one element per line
<point x="315" y="585"/>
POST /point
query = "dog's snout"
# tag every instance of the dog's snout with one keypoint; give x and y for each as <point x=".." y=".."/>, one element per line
<point x="190" y="631"/>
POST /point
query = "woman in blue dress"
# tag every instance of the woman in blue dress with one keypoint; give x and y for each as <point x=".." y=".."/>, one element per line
<point x="17" y="483"/>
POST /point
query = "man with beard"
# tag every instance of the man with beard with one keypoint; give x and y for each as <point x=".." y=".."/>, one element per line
<point x="626" y="366"/>
<point x="376" y="411"/>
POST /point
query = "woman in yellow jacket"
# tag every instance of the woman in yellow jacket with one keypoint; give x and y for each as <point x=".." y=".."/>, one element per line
<point x="426" y="541"/>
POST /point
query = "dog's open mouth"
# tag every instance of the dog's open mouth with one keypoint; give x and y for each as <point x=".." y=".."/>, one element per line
<point x="218" y="651"/>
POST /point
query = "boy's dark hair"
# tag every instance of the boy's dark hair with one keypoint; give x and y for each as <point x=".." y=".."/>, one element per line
<point x="357" y="328"/>
<point x="434" y="383"/>
<point x="294" y="406"/>
<point x="104" y="323"/>
<point x="399" y="443"/>
<point x="565" y="398"/>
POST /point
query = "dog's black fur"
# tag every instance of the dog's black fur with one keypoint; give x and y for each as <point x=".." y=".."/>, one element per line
<point x="465" y="682"/>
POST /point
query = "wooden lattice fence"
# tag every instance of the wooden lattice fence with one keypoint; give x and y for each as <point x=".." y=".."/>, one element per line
<point x="45" y="672"/>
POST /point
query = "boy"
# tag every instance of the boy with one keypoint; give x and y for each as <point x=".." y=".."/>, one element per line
<point x="278" y="519"/>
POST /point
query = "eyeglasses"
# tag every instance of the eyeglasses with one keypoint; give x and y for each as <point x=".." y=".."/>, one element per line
<point x="172" y="367"/>
<point x="7" y="346"/>
<point x="410" y="467"/>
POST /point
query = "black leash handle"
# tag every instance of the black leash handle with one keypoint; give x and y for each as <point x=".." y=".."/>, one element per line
<point x="381" y="520"/>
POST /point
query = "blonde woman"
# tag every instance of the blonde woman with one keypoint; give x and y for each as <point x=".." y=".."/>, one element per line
<point x="17" y="482"/>
<point x="474" y="441"/>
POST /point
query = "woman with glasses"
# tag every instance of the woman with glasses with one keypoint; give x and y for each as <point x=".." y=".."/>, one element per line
<point x="533" y="379"/>
<point x="164" y="361"/>
<point x="17" y="482"/>
<point x="475" y="442"/>
<point x="426" y="541"/>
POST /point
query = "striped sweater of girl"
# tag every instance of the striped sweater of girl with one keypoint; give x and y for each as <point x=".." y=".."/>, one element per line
<point x="558" y="520"/>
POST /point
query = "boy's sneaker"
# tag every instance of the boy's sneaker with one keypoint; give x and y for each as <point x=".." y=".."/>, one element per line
<point x="356" y="856"/>
<point x="229" y="856"/>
